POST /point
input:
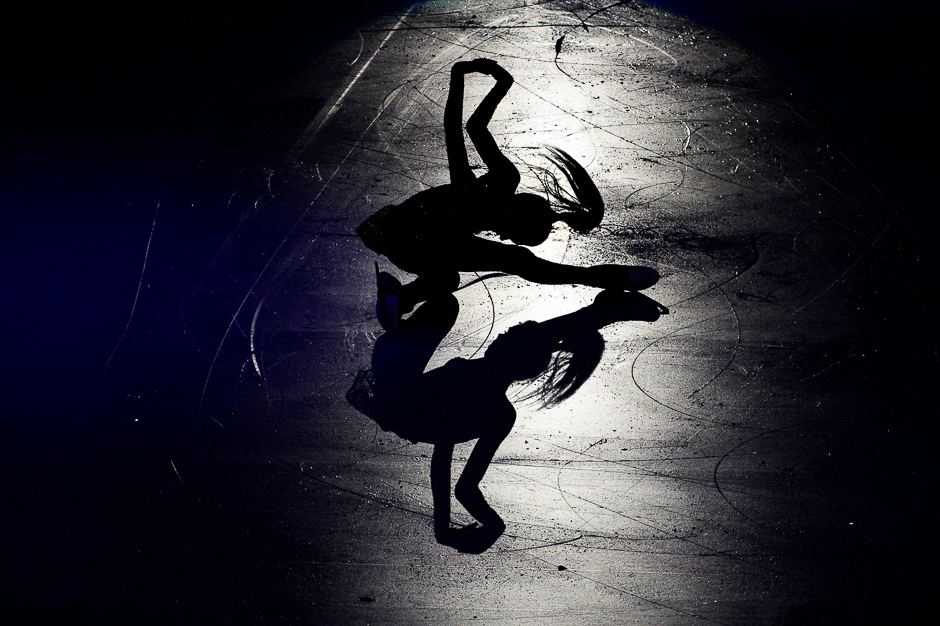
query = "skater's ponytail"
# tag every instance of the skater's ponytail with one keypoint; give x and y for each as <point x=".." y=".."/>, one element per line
<point x="584" y="209"/>
<point x="574" y="360"/>
<point x="569" y="348"/>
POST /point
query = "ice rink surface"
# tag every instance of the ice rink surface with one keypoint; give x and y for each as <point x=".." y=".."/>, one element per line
<point x="755" y="456"/>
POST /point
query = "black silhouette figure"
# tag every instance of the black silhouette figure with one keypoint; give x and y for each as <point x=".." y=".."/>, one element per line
<point x="434" y="234"/>
<point x="466" y="399"/>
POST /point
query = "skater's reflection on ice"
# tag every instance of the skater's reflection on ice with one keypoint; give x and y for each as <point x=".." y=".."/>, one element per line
<point x="436" y="234"/>
<point x="466" y="399"/>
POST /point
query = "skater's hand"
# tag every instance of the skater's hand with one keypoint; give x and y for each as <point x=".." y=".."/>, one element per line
<point x="461" y="67"/>
<point x="479" y="66"/>
<point x="614" y="305"/>
<point x="486" y="66"/>
<point x="494" y="69"/>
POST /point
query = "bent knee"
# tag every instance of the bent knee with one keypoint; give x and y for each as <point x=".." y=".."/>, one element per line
<point x="476" y="124"/>
<point x="465" y="490"/>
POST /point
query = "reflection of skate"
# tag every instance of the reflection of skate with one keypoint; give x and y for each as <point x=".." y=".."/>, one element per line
<point x="388" y="303"/>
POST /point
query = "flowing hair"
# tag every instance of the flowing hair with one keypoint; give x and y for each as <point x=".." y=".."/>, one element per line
<point x="574" y="360"/>
<point x="583" y="209"/>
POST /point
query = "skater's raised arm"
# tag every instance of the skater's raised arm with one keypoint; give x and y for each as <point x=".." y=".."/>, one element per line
<point x="484" y="112"/>
<point x="505" y="173"/>
<point x="460" y="173"/>
<point x="502" y="176"/>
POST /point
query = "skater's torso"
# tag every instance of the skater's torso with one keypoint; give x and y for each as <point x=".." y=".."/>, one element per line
<point x="434" y="216"/>
<point x="453" y="403"/>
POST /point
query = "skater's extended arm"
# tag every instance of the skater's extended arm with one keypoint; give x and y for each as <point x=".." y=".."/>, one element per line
<point x="484" y="112"/>
<point x="460" y="173"/>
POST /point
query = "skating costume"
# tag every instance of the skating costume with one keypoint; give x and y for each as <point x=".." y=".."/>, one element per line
<point x="424" y="224"/>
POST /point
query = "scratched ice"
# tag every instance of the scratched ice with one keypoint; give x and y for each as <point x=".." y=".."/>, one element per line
<point x="691" y="480"/>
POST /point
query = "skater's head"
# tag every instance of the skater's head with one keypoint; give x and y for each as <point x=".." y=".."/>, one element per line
<point x="522" y="350"/>
<point x="528" y="221"/>
<point x="528" y="218"/>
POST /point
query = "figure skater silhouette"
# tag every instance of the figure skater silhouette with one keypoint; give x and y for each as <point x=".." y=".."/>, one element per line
<point x="466" y="399"/>
<point x="434" y="234"/>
